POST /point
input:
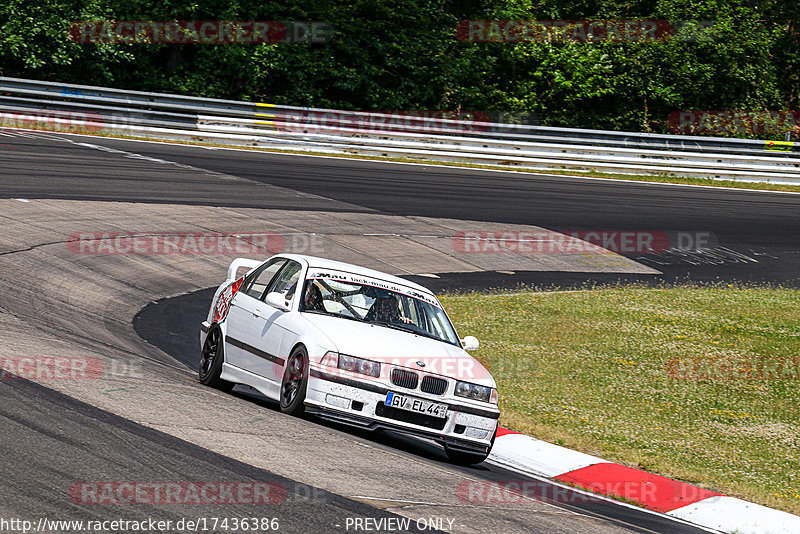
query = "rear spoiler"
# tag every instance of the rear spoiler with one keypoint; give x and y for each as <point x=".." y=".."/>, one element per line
<point x="239" y="263"/>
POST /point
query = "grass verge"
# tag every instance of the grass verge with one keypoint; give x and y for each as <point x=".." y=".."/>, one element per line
<point x="700" y="384"/>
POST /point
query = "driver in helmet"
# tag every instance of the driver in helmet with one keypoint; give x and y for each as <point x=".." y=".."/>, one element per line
<point x="385" y="309"/>
<point x="312" y="300"/>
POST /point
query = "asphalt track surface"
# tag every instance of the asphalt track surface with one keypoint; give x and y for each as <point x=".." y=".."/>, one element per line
<point x="755" y="234"/>
<point x="66" y="442"/>
<point x="61" y="440"/>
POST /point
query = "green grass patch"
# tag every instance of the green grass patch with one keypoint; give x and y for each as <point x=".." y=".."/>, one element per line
<point x="696" y="383"/>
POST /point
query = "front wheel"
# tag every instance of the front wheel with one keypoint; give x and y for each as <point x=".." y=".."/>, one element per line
<point x="211" y="360"/>
<point x="294" y="383"/>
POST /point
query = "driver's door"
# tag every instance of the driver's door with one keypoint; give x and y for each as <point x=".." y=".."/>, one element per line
<point x="245" y="307"/>
<point x="261" y="341"/>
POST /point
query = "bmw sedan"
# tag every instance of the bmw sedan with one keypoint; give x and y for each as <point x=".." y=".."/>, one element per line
<point x="352" y="345"/>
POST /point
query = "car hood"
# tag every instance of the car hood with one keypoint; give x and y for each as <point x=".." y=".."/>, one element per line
<point x="404" y="349"/>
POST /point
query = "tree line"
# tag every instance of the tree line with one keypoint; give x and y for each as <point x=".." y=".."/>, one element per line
<point x="606" y="64"/>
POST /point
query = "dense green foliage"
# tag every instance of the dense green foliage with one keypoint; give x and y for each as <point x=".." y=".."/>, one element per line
<point x="405" y="56"/>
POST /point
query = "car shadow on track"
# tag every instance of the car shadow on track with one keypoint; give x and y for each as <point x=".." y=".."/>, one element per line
<point x="412" y="445"/>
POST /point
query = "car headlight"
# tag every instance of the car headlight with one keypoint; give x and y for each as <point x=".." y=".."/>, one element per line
<point x="368" y="367"/>
<point x="476" y="392"/>
<point x="353" y="364"/>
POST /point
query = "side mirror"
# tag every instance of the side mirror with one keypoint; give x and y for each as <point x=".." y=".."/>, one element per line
<point x="470" y="343"/>
<point x="276" y="300"/>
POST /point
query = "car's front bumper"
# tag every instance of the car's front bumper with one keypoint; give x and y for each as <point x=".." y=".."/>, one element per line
<point x="349" y="400"/>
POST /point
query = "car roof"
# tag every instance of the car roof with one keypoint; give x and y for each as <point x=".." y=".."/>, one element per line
<point x="324" y="263"/>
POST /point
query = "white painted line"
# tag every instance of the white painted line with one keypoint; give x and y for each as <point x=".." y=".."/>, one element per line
<point x="730" y="514"/>
<point x="46" y="136"/>
<point x="21" y="200"/>
<point x="404" y="501"/>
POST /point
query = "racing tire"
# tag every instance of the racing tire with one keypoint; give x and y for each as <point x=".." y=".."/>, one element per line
<point x="295" y="383"/>
<point x="211" y="358"/>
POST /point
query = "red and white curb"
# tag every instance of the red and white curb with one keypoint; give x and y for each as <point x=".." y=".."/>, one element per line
<point x="677" y="499"/>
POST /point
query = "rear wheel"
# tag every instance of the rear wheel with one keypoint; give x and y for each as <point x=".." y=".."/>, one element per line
<point x="295" y="382"/>
<point x="211" y="359"/>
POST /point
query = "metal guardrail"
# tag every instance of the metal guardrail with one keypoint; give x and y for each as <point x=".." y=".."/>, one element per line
<point x="135" y="113"/>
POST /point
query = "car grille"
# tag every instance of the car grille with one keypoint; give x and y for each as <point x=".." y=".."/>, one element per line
<point x="436" y="423"/>
<point x="404" y="379"/>
<point x="433" y="385"/>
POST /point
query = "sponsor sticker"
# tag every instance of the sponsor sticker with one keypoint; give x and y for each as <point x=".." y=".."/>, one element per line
<point x="223" y="304"/>
<point x="341" y="276"/>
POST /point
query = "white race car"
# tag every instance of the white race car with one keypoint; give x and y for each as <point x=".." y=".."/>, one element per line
<point x="351" y="345"/>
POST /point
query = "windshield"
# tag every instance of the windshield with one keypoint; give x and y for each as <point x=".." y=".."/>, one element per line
<point x="378" y="302"/>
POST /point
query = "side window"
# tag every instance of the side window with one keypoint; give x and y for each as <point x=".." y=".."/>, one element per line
<point x="256" y="282"/>
<point x="286" y="282"/>
<point x="436" y="323"/>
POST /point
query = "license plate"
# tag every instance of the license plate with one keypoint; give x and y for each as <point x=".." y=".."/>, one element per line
<point x="410" y="404"/>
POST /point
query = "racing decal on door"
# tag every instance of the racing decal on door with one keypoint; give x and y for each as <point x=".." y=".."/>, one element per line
<point x="224" y="300"/>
